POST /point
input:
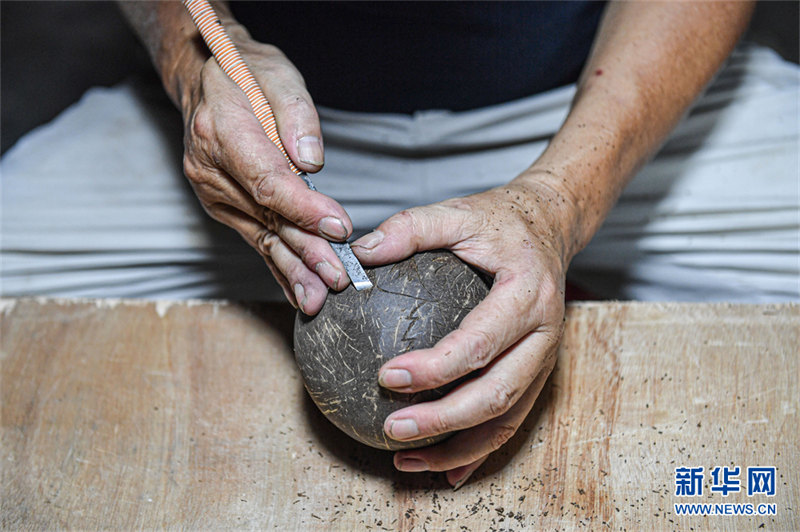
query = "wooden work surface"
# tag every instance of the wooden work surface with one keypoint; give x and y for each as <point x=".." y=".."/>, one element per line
<point x="122" y="415"/>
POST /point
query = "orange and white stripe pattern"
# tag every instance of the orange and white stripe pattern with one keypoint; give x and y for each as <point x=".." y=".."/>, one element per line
<point x="231" y="62"/>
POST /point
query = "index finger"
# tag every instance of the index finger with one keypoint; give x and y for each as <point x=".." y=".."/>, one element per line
<point x="506" y="315"/>
<point x="262" y="171"/>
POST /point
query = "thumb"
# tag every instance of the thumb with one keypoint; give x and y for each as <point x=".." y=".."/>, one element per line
<point x="296" y="117"/>
<point x="411" y="231"/>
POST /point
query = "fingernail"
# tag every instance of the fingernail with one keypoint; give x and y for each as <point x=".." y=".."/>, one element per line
<point x="369" y="240"/>
<point x="328" y="273"/>
<point x="412" y="465"/>
<point x="394" y="378"/>
<point x="333" y="228"/>
<point x="402" y="429"/>
<point x="300" y="296"/>
<point x="309" y="149"/>
<point x="463" y="481"/>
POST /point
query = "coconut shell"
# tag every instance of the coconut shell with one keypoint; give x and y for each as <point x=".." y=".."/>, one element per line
<point x="412" y="305"/>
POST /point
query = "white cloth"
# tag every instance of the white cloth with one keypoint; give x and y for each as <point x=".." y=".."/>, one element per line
<point x="94" y="204"/>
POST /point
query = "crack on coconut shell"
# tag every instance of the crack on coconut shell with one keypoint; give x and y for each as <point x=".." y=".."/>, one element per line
<point x="339" y="351"/>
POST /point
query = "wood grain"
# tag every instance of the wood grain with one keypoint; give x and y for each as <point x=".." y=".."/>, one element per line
<point x="121" y="415"/>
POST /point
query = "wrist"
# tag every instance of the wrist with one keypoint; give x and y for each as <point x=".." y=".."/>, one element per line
<point x="175" y="45"/>
<point x="550" y="209"/>
<point x="578" y="185"/>
<point x="586" y="165"/>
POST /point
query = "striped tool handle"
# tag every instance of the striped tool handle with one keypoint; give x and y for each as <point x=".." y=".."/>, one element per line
<point x="226" y="54"/>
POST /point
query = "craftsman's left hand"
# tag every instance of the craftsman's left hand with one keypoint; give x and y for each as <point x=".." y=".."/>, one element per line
<point x="515" y="233"/>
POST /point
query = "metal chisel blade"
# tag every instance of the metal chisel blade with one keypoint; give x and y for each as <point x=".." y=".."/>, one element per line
<point x="351" y="265"/>
<point x="342" y="249"/>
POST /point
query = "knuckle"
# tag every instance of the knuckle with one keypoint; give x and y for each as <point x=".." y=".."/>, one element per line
<point x="271" y="219"/>
<point x="269" y="50"/>
<point x="191" y="169"/>
<point x="480" y="345"/>
<point x="308" y="217"/>
<point x="280" y="205"/>
<point x="305" y="255"/>
<point x="275" y="67"/>
<point x="551" y="291"/>
<point x="501" y="435"/>
<point x="411" y="222"/>
<point x="500" y="399"/>
<point x="460" y="206"/>
<point x="470" y="219"/>
<point x="202" y="123"/>
<point x="284" y="75"/>
<point x="406" y="218"/>
<point x="298" y="104"/>
<point x="204" y="181"/>
<point x="280" y="79"/>
<point x="297" y="272"/>
<point x="313" y="253"/>
<point x="266" y="242"/>
<point x="439" y="423"/>
<point x="264" y="190"/>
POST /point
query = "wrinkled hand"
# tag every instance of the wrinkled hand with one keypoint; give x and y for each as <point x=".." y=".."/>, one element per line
<point x="515" y="234"/>
<point x="243" y="181"/>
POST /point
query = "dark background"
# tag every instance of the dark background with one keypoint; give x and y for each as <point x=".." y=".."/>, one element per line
<point x="51" y="52"/>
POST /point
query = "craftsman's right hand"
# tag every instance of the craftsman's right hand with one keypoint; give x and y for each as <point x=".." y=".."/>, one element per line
<point x="243" y="180"/>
